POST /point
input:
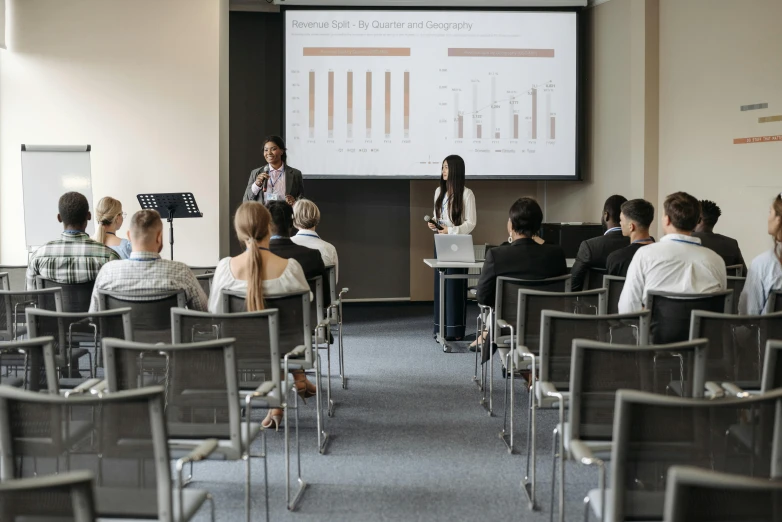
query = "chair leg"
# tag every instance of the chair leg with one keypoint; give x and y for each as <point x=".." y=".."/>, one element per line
<point x="211" y="500"/>
<point x="329" y="401"/>
<point x="586" y="509"/>
<point x="323" y="437"/>
<point x="553" y="473"/>
<point x="302" y="485"/>
<point x="265" y="475"/>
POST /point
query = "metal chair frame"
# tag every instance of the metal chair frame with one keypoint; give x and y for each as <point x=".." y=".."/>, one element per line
<point x="607" y="280"/>
<point x="652" y="295"/>
<point x="69" y="290"/>
<point x="46" y="344"/>
<point x="5" y="281"/>
<point x="335" y="319"/>
<point x="773" y="351"/>
<point x="80" y="483"/>
<point x="738" y="270"/>
<point x="774" y="297"/>
<point x="13" y="315"/>
<point x="15" y="269"/>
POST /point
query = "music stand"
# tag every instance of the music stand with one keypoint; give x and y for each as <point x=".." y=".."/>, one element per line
<point x="173" y="205"/>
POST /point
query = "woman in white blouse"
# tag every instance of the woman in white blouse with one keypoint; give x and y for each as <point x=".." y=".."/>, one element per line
<point x="765" y="272"/>
<point x="454" y="208"/>
<point x="257" y="271"/>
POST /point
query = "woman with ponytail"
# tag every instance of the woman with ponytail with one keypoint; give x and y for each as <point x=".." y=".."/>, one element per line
<point x="109" y="217"/>
<point x="258" y="272"/>
<point x="765" y="272"/>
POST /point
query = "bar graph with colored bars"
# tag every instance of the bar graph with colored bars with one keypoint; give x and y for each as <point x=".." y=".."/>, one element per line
<point x="350" y="84"/>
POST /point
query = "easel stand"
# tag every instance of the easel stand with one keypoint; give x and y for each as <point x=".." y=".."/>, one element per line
<point x="171" y="204"/>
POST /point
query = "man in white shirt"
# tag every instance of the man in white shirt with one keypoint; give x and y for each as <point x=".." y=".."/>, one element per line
<point x="678" y="263"/>
<point x="306" y="217"/>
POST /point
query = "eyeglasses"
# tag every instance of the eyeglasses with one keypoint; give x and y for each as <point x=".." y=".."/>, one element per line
<point x="123" y="214"/>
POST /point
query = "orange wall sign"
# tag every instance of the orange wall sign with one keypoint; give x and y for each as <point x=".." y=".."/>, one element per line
<point x="758" y="139"/>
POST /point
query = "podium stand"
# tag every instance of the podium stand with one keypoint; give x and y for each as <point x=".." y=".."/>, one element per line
<point x="171" y="205"/>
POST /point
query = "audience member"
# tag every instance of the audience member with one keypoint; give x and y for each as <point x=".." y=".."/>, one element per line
<point x="75" y="257"/>
<point x="727" y="247"/>
<point x="678" y="263"/>
<point x="523" y="258"/>
<point x="109" y="219"/>
<point x="259" y="272"/>
<point x="306" y="217"/>
<point x="635" y="218"/>
<point x="594" y="252"/>
<point x="145" y="273"/>
<point x="765" y="272"/>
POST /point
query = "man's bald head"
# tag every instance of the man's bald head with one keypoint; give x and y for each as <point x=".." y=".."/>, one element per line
<point x="146" y="231"/>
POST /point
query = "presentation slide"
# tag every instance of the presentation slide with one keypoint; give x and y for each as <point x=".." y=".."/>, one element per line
<point x="392" y="93"/>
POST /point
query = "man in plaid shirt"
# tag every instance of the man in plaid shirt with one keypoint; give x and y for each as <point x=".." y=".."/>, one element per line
<point x="75" y="257"/>
<point x="145" y="274"/>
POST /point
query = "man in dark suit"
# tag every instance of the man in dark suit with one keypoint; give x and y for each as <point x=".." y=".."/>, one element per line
<point x="524" y="258"/>
<point x="594" y="252"/>
<point x="280" y="244"/>
<point x="635" y="219"/>
<point x="726" y="247"/>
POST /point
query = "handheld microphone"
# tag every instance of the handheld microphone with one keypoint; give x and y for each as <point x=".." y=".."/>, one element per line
<point x="429" y="219"/>
<point x="266" y="180"/>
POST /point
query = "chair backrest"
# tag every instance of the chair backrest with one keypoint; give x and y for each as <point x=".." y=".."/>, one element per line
<point x="774" y="303"/>
<point x="736" y="344"/>
<point x="200" y="270"/>
<point x="506" y="299"/>
<point x="75" y="298"/>
<point x="331" y="274"/>
<point x="316" y="305"/>
<point x="701" y="495"/>
<point x="671" y="312"/>
<point x="530" y="304"/>
<point x="200" y="382"/>
<point x="594" y="278"/>
<point x="63" y="327"/>
<point x="736" y="284"/>
<point x="735" y="270"/>
<point x="150" y="314"/>
<point x="125" y="430"/>
<point x="205" y="280"/>
<point x="5" y="281"/>
<point x="63" y="498"/>
<point x="17" y="276"/>
<point x="480" y="255"/>
<point x="614" y="286"/>
<point x="293" y="314"/>
<point x="255" y="334"/>
<point x="772" y="367"/>
<point x="654" y="432"/>
<point x="13" y="321"/>
<point x="559" y="329"/>
<point x="36" y="357"/>
<point x="598" y="370"/>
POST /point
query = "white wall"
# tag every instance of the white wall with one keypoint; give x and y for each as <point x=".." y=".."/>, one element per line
<point x="140" y="81"/>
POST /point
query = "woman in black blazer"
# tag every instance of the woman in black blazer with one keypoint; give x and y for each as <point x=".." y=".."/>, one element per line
<point x="276" y="180"/>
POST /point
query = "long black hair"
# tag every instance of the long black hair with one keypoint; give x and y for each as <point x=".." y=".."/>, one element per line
<point x="281" y="144"/>
<point x="454" y="188"/>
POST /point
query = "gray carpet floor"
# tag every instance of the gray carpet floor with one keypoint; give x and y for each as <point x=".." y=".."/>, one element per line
<point x="409" y="439"/>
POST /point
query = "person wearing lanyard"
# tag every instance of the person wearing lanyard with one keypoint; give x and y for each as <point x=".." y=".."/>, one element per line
<point x="635" y="218"/>
<point x="276" y="181"/>
<point x="454" y="209"/>
<point x="306" y="218"/>
<point x="678" y="263"/>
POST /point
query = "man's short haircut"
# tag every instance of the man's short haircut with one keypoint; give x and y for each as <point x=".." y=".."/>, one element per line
<point x="613" y="206"/>
<point x="526" y="216"/>
<point x="282" y="217"/>
<point x="683" y="210"/>
<point x="144" y="225"/>
<point x="639" y="211"/>
<point x="306" y="214"/>
<point x="710" y="212"/>
<point x="73" y="208"/>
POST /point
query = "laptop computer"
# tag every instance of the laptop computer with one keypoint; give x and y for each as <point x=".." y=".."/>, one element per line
<point x="454" y="248"/>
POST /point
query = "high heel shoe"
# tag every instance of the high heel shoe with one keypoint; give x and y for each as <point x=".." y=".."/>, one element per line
<point x="273" y="417"/>
<point x="305" y="389"/>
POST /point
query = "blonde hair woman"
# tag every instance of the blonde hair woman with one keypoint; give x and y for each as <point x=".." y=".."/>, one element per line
<point x="306" y="218"/>
<point x="257" y="272"/>
<point x="109" y="217"/>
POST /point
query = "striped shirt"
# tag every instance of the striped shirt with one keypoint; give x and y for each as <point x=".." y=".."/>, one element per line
<point x="146" y="274"/>
<point x="72" y="259"/>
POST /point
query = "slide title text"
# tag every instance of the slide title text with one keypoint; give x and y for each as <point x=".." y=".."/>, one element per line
<point x="376" y="24"/>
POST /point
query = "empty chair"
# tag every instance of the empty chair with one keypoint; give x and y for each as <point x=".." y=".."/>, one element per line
<point x="701" y="495"/>
<point x="202" y="397"/>
<point x="736" y="345"/>
<point x="64" y="498"/>
<point x="75" y="297"/>
<point x="613" y="286"/>
<point x="530" y="304"/>
<point x="654" y="432"/>
<point x="47" y="434"/>
<point x="205" y="280"/>
<point x="13" y="322"/>
<point x="774" y="303"/>
<point x="597" y="371"/>
<point x="17" y="276"/>
<point x="737" y="285"/>
<point x="558" y="331"/>
<point x="149" y="314"/>
<point x="75" y="333"/>
<point x="38" y="367"/>
<point x="671" y="312"/>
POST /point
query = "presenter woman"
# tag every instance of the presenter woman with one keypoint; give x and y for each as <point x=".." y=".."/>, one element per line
<point x="276" y="180"/>
<point x="454" y="208"/>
